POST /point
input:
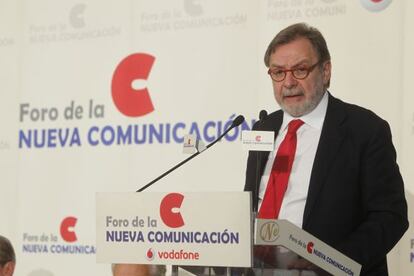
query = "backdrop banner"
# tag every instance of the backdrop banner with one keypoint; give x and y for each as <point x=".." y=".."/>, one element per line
<point x="97" y="96"/>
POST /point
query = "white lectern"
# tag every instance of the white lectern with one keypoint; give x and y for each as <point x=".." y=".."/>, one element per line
<point x="207" y="233"/>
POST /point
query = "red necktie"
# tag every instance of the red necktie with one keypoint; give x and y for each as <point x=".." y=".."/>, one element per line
<point x="279" y="177"/>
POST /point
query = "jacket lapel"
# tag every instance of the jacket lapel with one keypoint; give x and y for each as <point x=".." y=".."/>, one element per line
<point x="329" y="143"/>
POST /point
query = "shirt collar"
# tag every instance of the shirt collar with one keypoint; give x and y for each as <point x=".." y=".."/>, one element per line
<point x="314" y="119"/>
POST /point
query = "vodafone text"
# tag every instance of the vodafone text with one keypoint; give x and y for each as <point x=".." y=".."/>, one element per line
<point x="178" y="255"/>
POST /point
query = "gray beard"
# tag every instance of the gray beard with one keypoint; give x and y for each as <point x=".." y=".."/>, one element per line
<point x="306" y="108"/>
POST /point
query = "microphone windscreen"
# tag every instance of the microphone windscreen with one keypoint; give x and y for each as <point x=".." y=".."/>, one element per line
<point x="262" y="115"/>
<point x="239" y="119"/>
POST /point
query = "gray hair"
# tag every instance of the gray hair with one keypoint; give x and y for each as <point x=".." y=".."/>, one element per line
<point x="295" y="31"/>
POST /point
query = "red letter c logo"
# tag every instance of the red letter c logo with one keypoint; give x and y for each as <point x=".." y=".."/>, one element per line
<point x="131" y="102"/>
<point x="309" y="247"/>
<point x="67" y="229"/>
<point x="168" y="216"/>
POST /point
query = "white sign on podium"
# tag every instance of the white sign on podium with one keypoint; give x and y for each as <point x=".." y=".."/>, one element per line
<point x="203" y="229"/>
<point x="284" y="233"/>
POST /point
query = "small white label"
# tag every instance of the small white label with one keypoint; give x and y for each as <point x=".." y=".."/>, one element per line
<point x="189" y="146"/>
<point x="258" y="140"/>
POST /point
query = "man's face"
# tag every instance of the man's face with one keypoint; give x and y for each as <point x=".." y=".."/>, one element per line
<point x="299" y="97"/>
<point x="7" y="269"/>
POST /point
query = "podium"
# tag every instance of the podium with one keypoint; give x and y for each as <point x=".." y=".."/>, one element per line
<point x="208" y="233"/>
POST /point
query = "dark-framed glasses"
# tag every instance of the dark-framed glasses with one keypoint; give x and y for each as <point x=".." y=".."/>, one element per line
<point x="300" y="72"/>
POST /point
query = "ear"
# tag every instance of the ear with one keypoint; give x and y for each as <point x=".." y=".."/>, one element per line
<point x="9" y="268"/>
<point x="327" y="67"/>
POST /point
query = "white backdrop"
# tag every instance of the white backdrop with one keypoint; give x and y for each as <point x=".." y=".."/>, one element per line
<point x="208" y="67"/>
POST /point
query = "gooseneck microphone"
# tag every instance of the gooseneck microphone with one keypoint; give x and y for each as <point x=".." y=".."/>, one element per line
<point x="236" y="122"/>
<point x="262" y="117"/>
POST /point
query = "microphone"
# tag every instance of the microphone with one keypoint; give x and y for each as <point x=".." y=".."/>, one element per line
<point x="262" y="117"/>
<point x="236" y="122"/>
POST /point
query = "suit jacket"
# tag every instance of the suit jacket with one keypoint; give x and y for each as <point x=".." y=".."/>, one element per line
<point x="355" y="199"/>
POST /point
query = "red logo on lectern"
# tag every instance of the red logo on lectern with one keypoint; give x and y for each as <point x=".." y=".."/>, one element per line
<point x="130" y="101"/>
<point x="309" y="247"/>
<point x="170" y="210"/>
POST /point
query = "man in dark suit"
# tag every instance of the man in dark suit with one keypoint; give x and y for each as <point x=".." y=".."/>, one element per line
<point x="344" y="186"/>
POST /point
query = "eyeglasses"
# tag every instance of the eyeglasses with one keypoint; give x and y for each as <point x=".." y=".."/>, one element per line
<point x="299" y="73"/>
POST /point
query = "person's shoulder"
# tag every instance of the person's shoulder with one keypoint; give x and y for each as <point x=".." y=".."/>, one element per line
<point x="361" y="123"/>
<point x="359" y="114"/>
<point x="276" y="115"/>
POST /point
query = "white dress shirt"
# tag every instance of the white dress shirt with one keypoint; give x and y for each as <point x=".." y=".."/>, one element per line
<point x="293" y="204"/>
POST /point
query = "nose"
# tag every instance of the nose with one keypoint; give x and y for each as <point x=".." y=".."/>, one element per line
<point x="290" y="80"/>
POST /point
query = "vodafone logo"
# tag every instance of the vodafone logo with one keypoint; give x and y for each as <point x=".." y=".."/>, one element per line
<point x="170" y="210"/>
<point x="258" y="138"/>
<point x="150" y="254"/>
<point x="67" y="229"/>
<point x="375" y="5"/>
<point x="130" y="100"/>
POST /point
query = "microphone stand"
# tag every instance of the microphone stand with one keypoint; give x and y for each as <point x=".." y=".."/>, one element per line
<point x="262" y="116"/>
